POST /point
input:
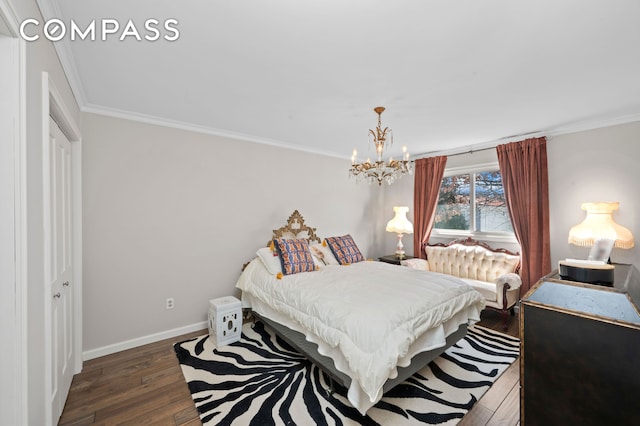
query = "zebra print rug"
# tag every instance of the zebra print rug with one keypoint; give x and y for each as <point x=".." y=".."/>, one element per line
<point x="261" y="380"/>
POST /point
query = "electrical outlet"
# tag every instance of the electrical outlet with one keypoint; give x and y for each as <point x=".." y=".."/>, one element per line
<point x="170" y="303"/>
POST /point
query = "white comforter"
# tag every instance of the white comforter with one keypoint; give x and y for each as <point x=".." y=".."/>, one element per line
<point x="369" y="317"/>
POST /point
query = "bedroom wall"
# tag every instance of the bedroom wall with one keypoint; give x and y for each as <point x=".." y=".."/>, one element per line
<point x="595" y="165"/>
<point x="173" y="213"/>
<point x="158" y="222"/>
<point x="400" y="193"/>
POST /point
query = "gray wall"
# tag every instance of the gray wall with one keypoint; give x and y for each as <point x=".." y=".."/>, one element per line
<point x="172" y="213"/>
<point x="596" y="165"/>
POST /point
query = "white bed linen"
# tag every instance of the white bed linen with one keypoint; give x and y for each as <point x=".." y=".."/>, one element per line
<point x="369" y="317"/>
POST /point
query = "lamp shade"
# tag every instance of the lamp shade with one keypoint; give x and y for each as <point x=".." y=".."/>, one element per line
<point x="400" y="224"/>
<point x="598" y="224"/>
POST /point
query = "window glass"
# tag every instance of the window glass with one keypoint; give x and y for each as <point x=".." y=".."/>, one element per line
<point x="491" y="210"/>
<point x="481" y="193"/>
<point x="454" y="203"/>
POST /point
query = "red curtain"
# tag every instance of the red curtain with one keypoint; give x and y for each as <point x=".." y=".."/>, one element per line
<point x="429" y="172"/>
<point x="523" y="166"/>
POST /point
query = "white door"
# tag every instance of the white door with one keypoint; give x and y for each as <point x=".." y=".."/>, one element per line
<point x="58" y="227"/>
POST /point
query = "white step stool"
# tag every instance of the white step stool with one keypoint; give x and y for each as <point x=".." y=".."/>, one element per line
<point x="225" y="320"/>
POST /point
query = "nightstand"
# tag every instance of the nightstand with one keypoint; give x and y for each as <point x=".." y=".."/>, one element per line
<point x="393" y="259"/>
<point x="621" y="276"/>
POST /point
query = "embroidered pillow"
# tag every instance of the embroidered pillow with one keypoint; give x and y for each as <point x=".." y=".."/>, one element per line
<point x="295" y="256"/>
<point x="345" y="249"/>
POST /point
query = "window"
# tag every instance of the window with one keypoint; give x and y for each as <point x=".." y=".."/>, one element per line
<point x="473" y="201"/>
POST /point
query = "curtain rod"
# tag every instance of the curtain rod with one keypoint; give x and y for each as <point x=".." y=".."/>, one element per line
<point x="435" y="153"/>
<point x="481" y="147"/>
<point x="471" y="151"/>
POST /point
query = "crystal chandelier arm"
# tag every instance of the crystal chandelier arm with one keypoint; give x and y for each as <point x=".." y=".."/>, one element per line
<point x="379" y="171"/>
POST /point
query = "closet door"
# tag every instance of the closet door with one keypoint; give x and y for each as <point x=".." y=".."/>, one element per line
<point x="59" y="265"/>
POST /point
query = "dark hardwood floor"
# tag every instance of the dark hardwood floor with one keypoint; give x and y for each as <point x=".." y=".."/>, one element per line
<point x="500" y="405"/>
<point x="145" y="386"/>
<point x="139" y="386"/>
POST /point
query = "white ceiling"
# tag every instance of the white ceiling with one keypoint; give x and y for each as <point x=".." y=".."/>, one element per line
<point x="308" y="73"/>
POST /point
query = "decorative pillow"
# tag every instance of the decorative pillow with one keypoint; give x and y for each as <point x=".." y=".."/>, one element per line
<point x="295" y="256"/>
<point x="323" y="254"/>
<point x="416" y="263"/>
<point x="345" y="249"/>
<point x="270" y="260"/>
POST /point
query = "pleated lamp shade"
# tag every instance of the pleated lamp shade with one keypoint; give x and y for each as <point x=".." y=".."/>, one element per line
<point x="598" y="224"/>
<point x="400" y="225"/>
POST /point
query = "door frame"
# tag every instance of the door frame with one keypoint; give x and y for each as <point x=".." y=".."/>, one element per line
<point x="14" y="371"/>
<point x="53" y="105"/>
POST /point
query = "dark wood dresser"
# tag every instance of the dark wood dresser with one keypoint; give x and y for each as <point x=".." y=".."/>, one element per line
<point x="580" y="352"/>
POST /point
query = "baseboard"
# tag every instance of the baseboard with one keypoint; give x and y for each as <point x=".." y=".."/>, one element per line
<point x="144" y="340"/>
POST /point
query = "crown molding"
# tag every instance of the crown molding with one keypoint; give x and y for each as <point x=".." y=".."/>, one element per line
<point x="49" y="9"/>
<point x="182" y="125"/>
<point x="573" y="127"/>
<point x="595" y="123"/>
<point x="9" y="16"/>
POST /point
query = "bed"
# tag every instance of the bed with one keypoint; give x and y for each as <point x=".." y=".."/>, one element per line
<point x="369" y="325"/>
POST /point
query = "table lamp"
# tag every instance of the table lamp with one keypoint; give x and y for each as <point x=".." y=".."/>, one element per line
<point x="602" y="233"/>
<point x="599" y="225"/>
<point x="400" y="225"/>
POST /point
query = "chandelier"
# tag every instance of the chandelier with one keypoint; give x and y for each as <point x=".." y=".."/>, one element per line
<point x="379" y="171"/>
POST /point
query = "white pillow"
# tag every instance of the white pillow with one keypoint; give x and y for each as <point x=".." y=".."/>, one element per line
<point x="270" y="259"/>
<point x="323" y="254"/>
<point x="416" y="263"/>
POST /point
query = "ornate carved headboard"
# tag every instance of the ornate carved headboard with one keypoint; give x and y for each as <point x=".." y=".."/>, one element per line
<point x="295" y="228"/>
